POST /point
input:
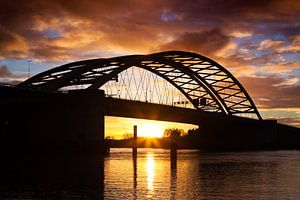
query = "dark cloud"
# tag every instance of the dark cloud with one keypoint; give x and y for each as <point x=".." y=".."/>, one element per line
<point x="273" y="92"/>
<point x="207" y="42"/>
<point x="232" y="11"/>
<point x="11" y="45"/>
<point x="6" y="39"/>
<point x="51" y="52"/>
<point x="117" y="22"/>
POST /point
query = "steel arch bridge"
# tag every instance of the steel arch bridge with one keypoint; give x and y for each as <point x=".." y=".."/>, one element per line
<point x="203" y="82"/>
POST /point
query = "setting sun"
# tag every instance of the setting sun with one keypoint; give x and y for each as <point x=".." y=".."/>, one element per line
<point x="117" y="127"/>
<point x="150" y="130"/>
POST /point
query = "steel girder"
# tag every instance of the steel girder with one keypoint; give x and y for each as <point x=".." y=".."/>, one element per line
<point x="195" y="76"/>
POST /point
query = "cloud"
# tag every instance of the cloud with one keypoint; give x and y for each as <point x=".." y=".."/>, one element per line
<point x="4" y="71"/>
<point x="287" y="83"/>
<point x="11" y="44"/>
<point x="137" y="26"/>
<point x="291" y="121"/>
<point x="265" y="57"/>
<point x="271" y="44"/>
<point x="295" y="46"/>
<point x="289" y="116"/>
<point x="273" y="92"/>
<point x="206" y="42"/>
<point x="6" y="76"/>
<point x="281" y="46"/>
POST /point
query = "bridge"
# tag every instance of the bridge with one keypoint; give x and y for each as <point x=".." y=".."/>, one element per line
<point x="69" y="102"/>
<point x="204" y="83"/>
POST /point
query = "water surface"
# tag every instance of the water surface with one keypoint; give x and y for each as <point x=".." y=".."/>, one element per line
<point x="247" y="175"/>
<point x="152" y="175"/>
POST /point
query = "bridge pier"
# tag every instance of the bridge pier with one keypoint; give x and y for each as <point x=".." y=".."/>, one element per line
<point x="230" y="134"/>
<point x="39" y="122"/>
<point x="86" y="118"/>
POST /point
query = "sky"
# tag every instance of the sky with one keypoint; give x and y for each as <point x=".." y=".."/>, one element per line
<point x="258" y="40"/>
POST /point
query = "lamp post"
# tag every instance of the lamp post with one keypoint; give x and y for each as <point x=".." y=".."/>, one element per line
<point x="29" y="61"/>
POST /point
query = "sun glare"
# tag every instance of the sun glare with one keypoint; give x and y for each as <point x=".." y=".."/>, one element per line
<point x="150" y="130"/>
<point x="117" y="127"/>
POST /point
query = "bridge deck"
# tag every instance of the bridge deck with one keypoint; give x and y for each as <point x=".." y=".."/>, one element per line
<point x="151" y="111"/>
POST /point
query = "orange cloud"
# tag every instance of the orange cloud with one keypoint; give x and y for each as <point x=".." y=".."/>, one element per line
<point x="281" y="46"/>
<point x="11" y="44"/>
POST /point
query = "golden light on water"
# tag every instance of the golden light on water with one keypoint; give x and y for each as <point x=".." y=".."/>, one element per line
<point x="150" y="167"/>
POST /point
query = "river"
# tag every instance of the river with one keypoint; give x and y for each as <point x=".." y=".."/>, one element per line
<point x="194" y="175"/>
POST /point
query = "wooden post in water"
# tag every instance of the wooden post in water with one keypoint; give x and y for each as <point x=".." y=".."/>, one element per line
<point x="134" y="141"/>
<point x="173" y="148"/>
<point x="107" y="146"/>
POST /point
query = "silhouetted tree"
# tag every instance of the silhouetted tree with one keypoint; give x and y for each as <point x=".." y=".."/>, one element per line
<point x="174" y="131"/>
<point x="109" y="137"/>
<point x="127" y="136"/>
<point x="193" y="132"/>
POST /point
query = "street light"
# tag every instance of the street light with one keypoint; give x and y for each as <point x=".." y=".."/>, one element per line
<point x="29" y="61"/>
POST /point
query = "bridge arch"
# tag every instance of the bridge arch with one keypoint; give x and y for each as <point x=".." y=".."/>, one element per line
<point x="195" y="76"/>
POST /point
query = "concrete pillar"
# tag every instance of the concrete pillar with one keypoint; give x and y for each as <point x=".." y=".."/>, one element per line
<point x="86" y="119"/>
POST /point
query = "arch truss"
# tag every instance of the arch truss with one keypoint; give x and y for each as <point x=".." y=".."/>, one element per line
<point x="204" y="83"/>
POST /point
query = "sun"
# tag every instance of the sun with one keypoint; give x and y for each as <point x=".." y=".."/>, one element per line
<point x="150" y="130"/>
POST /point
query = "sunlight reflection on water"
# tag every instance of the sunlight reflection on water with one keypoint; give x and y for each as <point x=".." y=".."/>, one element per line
<point x="150" y="167"/>
<point x="151" y="175"/>
<point x="247" y="175"/>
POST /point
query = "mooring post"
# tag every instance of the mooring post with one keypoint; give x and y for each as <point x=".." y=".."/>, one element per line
<point x="107" y="145"/>
<point x="173" y="148"/>
<point x="134" y="176"/>
<point x="134" y="142"/>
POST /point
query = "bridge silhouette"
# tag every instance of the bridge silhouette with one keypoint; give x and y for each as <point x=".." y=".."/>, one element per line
<point x="197" y="77"/>
<point x="68" y="103"/>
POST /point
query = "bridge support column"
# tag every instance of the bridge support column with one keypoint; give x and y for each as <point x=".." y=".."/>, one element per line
<point x="86" y="119"/>
<point x="238" y="134"/>
<point x="40" y="122"/>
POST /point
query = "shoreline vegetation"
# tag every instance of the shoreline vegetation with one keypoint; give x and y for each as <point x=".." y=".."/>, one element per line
<point x="189" y="140"/>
